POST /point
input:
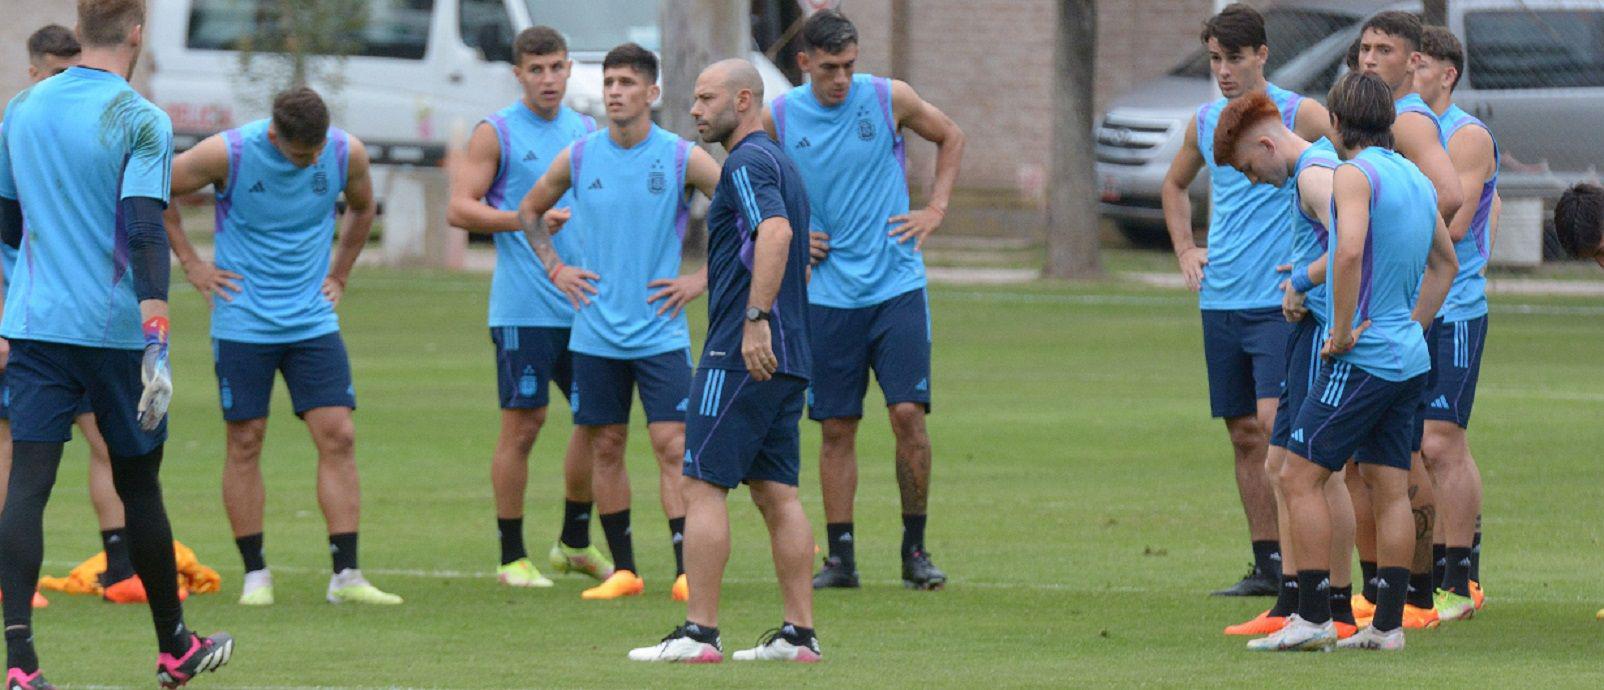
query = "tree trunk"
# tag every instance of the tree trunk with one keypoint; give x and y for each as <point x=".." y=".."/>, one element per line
<point x="1072" y="227"/>
<point x="697" y="33"/>
<point x="1436" y="12"/>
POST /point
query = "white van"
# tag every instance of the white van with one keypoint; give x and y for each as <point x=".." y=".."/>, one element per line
<point x="418" y="73"/>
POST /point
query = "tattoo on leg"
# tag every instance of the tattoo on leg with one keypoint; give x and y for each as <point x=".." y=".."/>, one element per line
<point x="915" y="485"/>
<point x="1425" y="518"/>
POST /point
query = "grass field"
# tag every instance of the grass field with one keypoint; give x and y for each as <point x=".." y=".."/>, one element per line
<point x="1083" y="505"/>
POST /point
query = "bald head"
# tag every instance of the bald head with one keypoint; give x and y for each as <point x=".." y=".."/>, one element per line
<point x="729" y="97"/>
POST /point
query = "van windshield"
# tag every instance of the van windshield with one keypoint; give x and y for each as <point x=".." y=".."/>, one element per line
<point x="1291" y="31"/>
<point x="602" y="24"/>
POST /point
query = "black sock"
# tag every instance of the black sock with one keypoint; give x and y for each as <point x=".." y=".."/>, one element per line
<point x="698" y="632"/>
<point x="1439" y="563"/>
<point x="19" y="648"/>
<point x="676" y="533"/>
<point x="616" y="527"/>
<point x="576" y="524"/>
<point x="1368" y="570"/>
<point x="913" y="534"/>
<point x="1457" y="577"/>
<point x="1342" y="604"/>
<point x="1314" y="596"/>
<point x="796" y="634"/>
<point x="1267" y="558"/>
<point x="511" y="531"/>
<point x="118" y="567"/>
<point x="342" y="548"/>
<point x="150" y="544"/>
<point x="1286" y="597"/>
<point x="250" y="551"/>
<point x="1475" y="553"/>
<point x="841" y="542"/>
<point x="1420" y="591"/>
<point x="1392" y="587"/>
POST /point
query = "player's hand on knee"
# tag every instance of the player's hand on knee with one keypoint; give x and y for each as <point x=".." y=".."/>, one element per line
<point x="156" y="374"/>
<point x="757" y="349"/>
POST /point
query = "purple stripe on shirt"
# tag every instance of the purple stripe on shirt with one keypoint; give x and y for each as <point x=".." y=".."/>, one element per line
<point x="1479" y="222"/>
<point x="576" y="158"/>
<point x="498" y="187"/>
<point x="1367" y="274"/>
<point x="682" y="215"/>
<point x="778" y="110"/>
<point x="882" y="91"/>
<point x="342" y="151"/>
<point x="748" y="244"/>
<point x="225" y="199"/>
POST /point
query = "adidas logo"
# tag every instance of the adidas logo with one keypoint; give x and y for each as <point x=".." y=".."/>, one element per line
<point x="1441" y="403"/>
<point x="1276" y="556"/>
<point x="679" y="538"/>
<point x="258" y="187"/>
<point x="846" y="538"/>
<point x="1382" y="584"/>
<point x="1297" y="435"/>
<point x="530" y="156"/>
<point x="1323" y="586"/>
<point x="596" y="185"/>
<point x="582" y="516"/>
<point x="804" y="143"/>
<point x="683" y="405"/>
<point x="924" y="385"/>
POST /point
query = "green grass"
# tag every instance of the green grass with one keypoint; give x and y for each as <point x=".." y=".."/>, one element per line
<point x="1083" y="504"/>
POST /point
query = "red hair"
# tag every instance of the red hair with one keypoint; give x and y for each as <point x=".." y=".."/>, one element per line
<point x="1240" y="116"/>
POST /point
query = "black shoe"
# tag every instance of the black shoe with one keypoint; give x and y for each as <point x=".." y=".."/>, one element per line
<point x="919" y="573"/>
<point x="836" y="573"/>
<point x="1254" y="584"/>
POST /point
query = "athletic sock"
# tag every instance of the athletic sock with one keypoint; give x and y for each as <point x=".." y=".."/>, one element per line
<point x="118" y="567"/>
<point x="250" y="551"/>
<point x="1266" y="557"/>
<point x="676" y="534"/>
<point x="616" y="527"/>
<point x="511" y="531"/>
<point x="913" y="534"/>
<point x="1420" y="591"/>
<point x="19" y="649"/>
<point x="1392" y="586"/>
<point x="841" y="542"/>
<point x="576" y="524"/>
<point x="1286" y="598"/>
<point x="178" y="639"/>
<point x="1367" y="569"/>
<point x="342" y="547"/>
<point x="697" y="631"/>
<point x="1439" y="563"/>
<point x="1342" y="605"/>
<point x="150" y="544"/>
<point x="1475" y="553"/>
<point x="796" y="634"/>
<point x="1314" y="596"/>
<point x="1457" y="577"/>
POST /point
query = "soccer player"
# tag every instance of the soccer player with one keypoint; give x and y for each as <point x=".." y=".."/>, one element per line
<point x="756" y="364"/>
<point x="1389" y="45"/>
<point x="1253" y="139"/>
<point x="51" y="50"/>
<point x="868" y="307"/>
<point x="629" y="192"/>
<point x="1460" y="330"/>
<point x="1244" y="332"/>
<point x="1579" y="221"/>
<point x="1391" y="263"/>
<point x="530" y="319"/>
<point x="273" y="293"/>
<point x="86" y="158"/>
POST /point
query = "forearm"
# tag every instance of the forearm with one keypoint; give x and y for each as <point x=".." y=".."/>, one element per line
<point x="1345" y="291"/>
<point x="1317" y="270"/>
<point x="148" y="248"/>
<point x="534" y="229"/>
<point x="152" y="308"/>
<point x="357" y="228"/>
<point x="768" y="266"/>
<point x="949" y="155"/>
<point x="173" y="221"/>
<point x="1178" y="217"/>
<point x="478" y="217"/>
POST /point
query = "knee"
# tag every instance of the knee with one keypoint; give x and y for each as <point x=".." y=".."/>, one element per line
<point x="337" y="440"/>
<point x="521" y="430"/>
<point x="837" y="435"/>
<point x="1436" y="448"/>
<point x="245" y="442"/>
<point x="908" y="423"/>
<point x="1247" y="434"/>
<point x="607" y="445"/>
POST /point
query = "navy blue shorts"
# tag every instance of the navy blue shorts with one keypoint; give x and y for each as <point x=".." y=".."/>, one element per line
<point x="1456" y="365"/>
<point x="46" y="384"/>
<point x="527" y="360"/>
<point x="1303" y="364"/>
<point x="5" y="401"/>
<point x="317" y="372"/>
<point x="741" y="430"/>
<point x="892" y="338"/>
<point x="1352" y="414"/>
<point x="1246" y="352"/>
<point x="603" y="388"/>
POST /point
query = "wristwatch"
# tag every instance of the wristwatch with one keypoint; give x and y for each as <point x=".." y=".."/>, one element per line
<point x="755" y="314"/>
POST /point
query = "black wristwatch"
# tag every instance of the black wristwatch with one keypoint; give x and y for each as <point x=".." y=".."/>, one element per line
<point x="755" y="314"/>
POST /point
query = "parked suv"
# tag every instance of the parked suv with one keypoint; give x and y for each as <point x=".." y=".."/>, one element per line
<point x="1534" y="72"/>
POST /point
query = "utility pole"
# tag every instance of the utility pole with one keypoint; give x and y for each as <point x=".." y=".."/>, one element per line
<point x="1072" y="220"/>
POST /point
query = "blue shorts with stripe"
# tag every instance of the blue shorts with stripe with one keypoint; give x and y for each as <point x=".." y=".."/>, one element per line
<point x="892" y="338"/>
<point x="1245" y="350"/>
<point x="1456" y="366"/>
<point x="528" y="360"/>
<point x="1351" y="414"/>
<point x="316" y="370"/>
<point x="1303" y="364"/>
<point x="5" y="401"/>
<point x="740" y="430"/>
<point x="604" y="388"/>
<point x="48" y="382"/>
